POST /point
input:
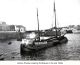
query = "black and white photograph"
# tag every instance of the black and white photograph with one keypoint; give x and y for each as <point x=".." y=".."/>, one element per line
<point x="39" y="30"/>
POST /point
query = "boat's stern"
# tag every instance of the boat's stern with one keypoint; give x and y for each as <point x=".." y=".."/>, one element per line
<point x="24" y="47"/>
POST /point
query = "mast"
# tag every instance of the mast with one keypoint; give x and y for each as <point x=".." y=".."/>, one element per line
<point x="55" y="19"/>
<point x="38" y="25"/>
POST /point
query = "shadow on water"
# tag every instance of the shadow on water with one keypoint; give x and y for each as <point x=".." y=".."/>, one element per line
<point x="33" y="55"/>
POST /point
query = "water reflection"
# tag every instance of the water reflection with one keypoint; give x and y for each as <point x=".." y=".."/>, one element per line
<point x="33" y="55"/>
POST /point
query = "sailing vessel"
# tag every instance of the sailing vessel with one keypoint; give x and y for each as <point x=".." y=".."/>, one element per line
<point x="35" y="42"/>
<point x="69" y="30"/>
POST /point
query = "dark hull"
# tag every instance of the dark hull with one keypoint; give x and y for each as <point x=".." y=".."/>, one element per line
<point x="33" y="48"/>
<point x="69" y="31"/>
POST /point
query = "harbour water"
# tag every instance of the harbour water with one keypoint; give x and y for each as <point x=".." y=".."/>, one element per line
<point x="66" y="51"/>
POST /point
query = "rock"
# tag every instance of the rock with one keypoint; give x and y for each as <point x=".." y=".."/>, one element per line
<point x="1" y="54"/>
<point x="13" y="57"/>
<point x="1" y="58"/>
<point x="9" y="43"/>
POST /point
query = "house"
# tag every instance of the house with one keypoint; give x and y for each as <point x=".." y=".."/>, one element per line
<point x="20" y="28"/>
<point x="4" y="27"/>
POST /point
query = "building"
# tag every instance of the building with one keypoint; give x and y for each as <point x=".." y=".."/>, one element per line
<point x="16" y="28"/>
<point x="20" y="28"/>
<point x="4" y="27"/>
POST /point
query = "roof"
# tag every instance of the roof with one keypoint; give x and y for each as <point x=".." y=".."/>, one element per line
<point x="19" y="26"/>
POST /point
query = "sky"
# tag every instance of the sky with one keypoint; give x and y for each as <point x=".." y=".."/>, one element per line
<point x="24" y="12"/>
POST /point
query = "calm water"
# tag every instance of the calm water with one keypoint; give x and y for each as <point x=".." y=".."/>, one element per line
<point x="66" y="51"/>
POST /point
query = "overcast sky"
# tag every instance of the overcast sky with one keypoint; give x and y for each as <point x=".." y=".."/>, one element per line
<point x="23" y="12"/>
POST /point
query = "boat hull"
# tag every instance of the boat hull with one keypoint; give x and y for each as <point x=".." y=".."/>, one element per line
<point x="33" y="48"/>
